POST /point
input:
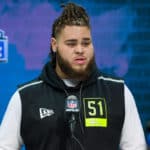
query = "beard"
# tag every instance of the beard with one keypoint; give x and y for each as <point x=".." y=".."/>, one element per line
<point x="72" y="73"/>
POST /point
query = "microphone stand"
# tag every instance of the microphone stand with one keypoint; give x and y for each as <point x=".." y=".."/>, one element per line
<point x="72" y="123"/>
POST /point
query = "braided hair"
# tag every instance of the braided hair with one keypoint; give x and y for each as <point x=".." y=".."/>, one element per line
<point x="72" y="15"/>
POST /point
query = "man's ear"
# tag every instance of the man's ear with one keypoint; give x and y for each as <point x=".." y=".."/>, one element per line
<point x="54" y="44"/>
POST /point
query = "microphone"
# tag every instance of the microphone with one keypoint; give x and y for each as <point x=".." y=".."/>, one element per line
<point x="72" y="110"/>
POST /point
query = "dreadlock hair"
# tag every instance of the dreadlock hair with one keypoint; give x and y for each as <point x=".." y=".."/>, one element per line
<point x="72" y="15"/>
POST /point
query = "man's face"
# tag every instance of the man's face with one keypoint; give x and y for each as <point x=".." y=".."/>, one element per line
<point x="74" y="52"/>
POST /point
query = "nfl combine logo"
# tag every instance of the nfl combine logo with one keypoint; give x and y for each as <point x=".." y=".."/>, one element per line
<point x="3" y="47"/>
<point x="72" y="104"/>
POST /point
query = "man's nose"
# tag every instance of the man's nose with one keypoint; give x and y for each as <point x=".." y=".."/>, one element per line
<point x="79" y="49"/>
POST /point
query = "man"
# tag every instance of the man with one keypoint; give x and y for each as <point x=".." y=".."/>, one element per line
<point x="107" y="116"/>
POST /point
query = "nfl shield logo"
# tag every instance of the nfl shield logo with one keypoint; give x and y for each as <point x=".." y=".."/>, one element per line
<point x="72" y="104"/>
<point x="3" y="47"/>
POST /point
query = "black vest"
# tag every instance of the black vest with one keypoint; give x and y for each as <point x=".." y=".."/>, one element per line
<point x="44" y="125"/>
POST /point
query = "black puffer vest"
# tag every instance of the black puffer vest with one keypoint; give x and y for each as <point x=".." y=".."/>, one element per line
<point x="44" y="125"/>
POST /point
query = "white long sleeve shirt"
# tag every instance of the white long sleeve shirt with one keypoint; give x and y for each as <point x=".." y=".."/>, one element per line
<point x="132" y="136"/>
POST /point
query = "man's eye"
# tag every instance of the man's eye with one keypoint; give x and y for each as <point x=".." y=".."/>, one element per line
<point x="86" y="44"/>
<point x="71" y="44"/>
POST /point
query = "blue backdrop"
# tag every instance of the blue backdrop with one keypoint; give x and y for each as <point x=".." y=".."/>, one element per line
<point x="121" y="37"/>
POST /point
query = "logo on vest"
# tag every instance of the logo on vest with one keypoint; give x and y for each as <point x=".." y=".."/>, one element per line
<point x="44" y="112"/>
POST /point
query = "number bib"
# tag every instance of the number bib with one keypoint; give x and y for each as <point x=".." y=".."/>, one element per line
<point x="95" y="112"/>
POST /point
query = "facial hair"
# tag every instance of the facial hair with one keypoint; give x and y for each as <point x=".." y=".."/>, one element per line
<point x="72" y="73"/>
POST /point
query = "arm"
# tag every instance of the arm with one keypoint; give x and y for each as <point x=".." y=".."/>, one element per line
<point x="132" y="137"/>
<point x="10" y="138"/>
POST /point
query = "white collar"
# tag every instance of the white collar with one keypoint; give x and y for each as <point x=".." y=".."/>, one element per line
<point x="71" y="82"/>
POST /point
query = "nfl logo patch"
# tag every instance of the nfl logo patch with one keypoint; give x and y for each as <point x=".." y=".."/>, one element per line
<point x="72" y="104"/>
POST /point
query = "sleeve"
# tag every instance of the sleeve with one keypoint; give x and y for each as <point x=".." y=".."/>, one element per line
<point x="10" y="138"/>
<point x="132" y="136"/>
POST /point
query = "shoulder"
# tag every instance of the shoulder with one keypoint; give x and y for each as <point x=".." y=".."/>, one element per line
<point x="109" y="78"/>
<point x="30" y="84"/>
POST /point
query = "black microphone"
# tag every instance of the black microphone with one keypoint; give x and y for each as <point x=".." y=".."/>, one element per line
<point x="72" y="109"/>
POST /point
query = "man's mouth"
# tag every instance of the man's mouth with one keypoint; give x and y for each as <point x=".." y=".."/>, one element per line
<point x="80" y="60"/>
